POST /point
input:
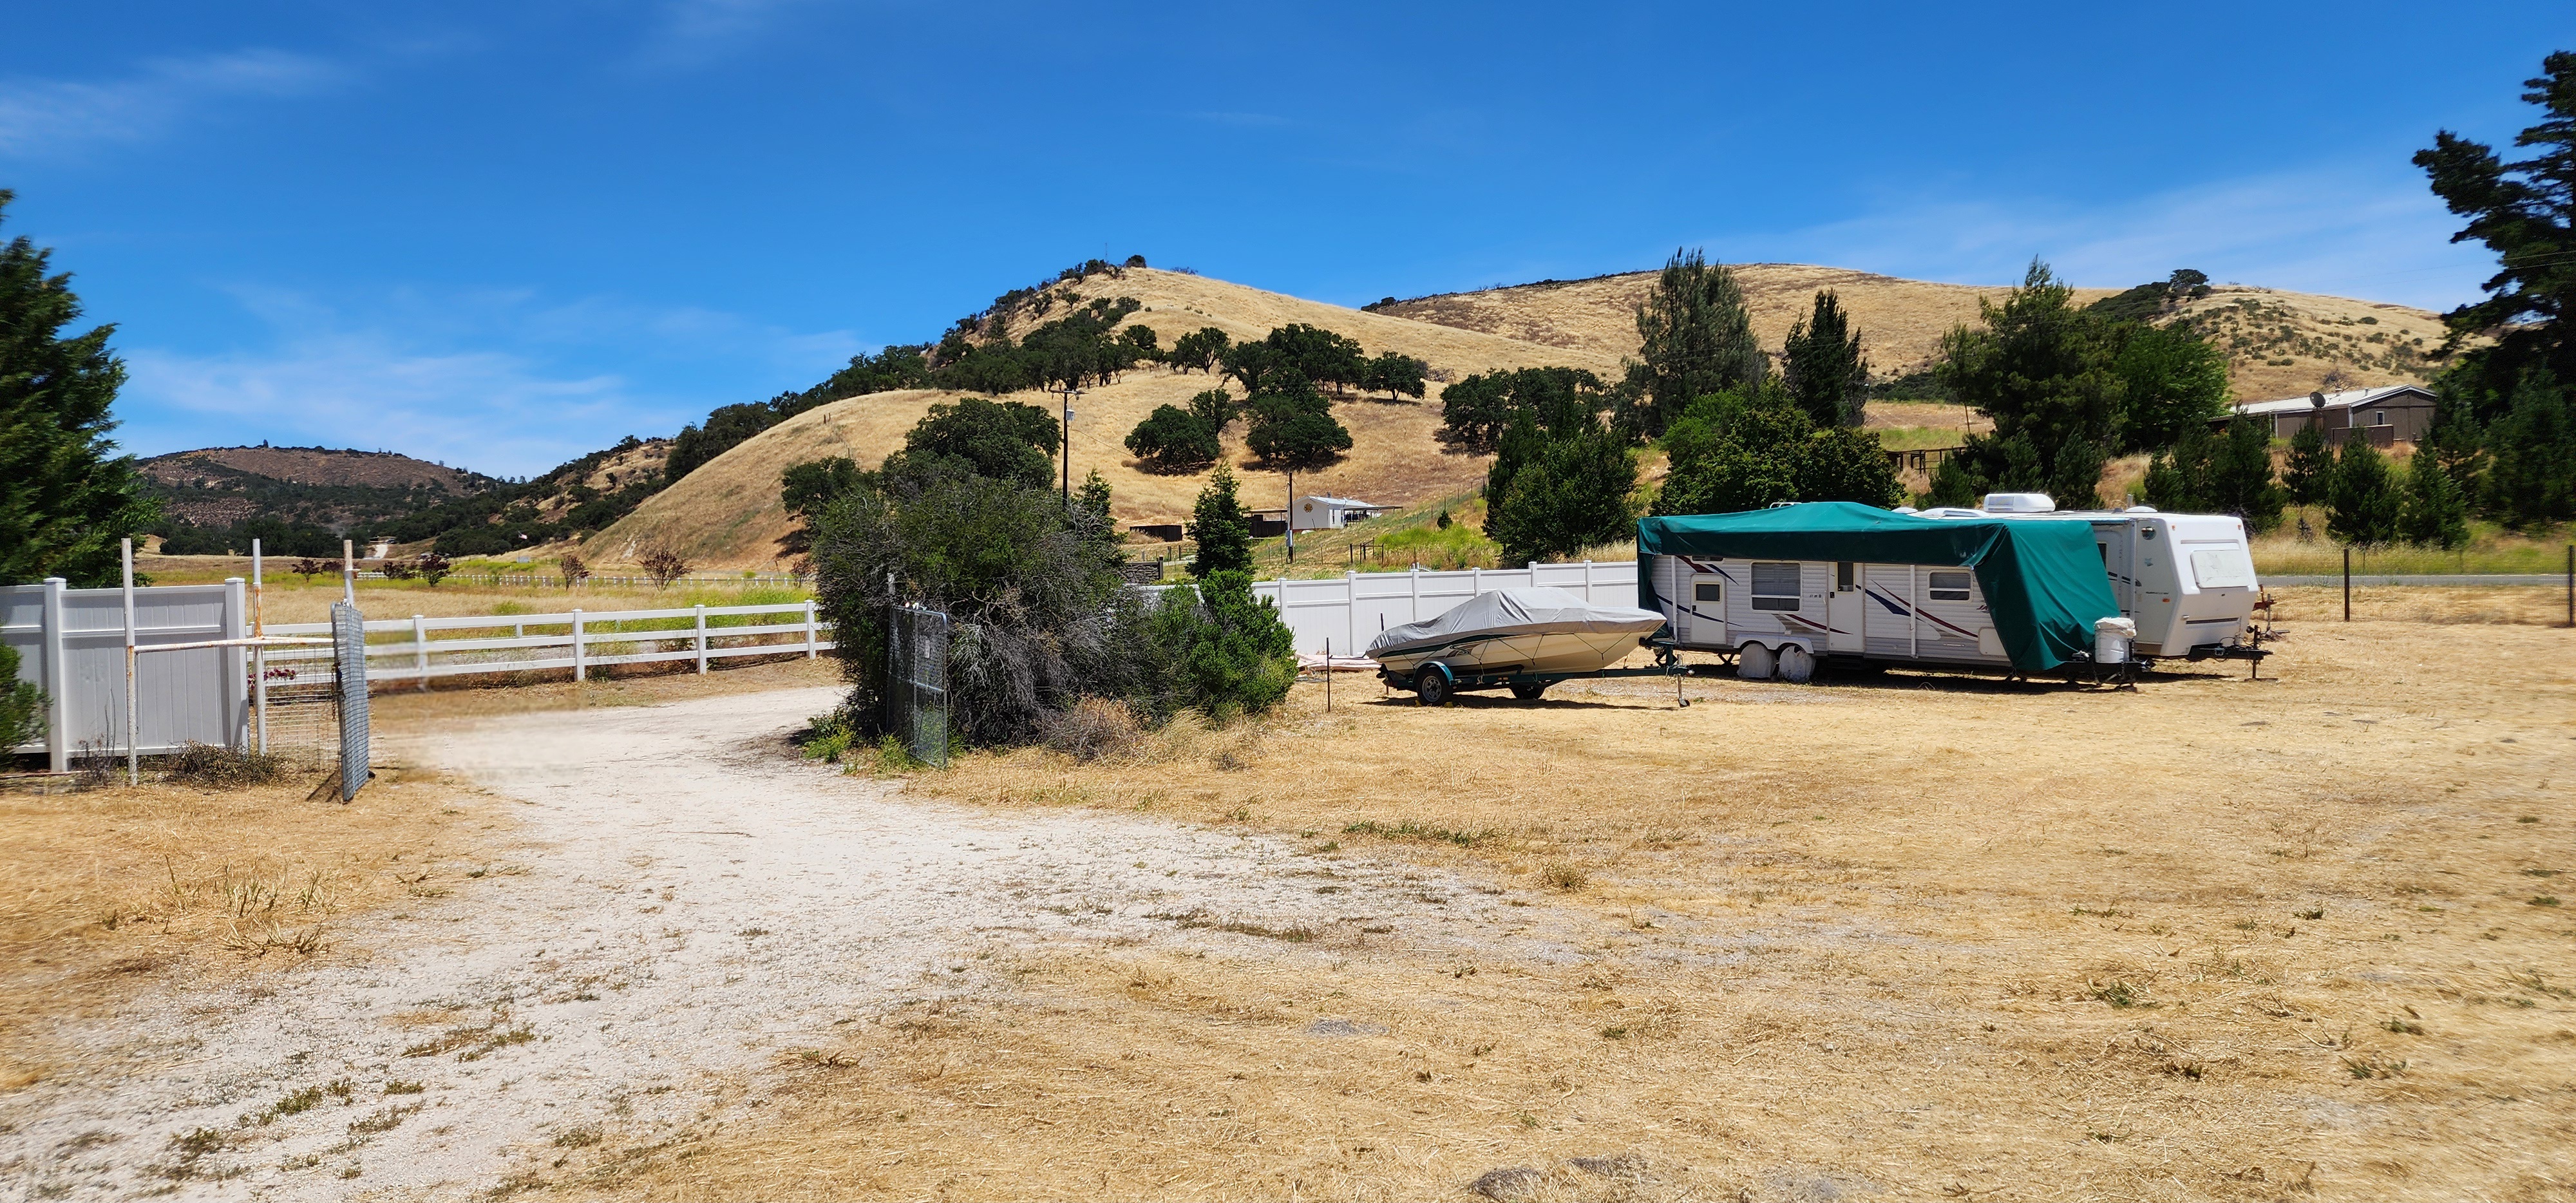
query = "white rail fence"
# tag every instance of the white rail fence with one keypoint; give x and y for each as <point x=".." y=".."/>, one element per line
<point x="420" y="649"/>
<point x="1352" y="609"/>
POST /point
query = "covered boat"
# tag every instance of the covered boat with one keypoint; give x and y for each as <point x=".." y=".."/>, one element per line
<point x="1516" y="633"/>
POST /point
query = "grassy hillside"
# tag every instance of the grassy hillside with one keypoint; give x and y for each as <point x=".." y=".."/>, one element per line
<point x="345" y="490"/>
<point x="2280" y="344"/>
<point x="726" y="513"/>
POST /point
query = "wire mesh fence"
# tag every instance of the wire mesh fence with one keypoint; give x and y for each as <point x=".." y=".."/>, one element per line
<point x="917" y="682"/>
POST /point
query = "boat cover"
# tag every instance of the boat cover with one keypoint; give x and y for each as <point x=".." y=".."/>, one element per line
<point x="2044" y="581"/>
<point x="1519" y="612"/>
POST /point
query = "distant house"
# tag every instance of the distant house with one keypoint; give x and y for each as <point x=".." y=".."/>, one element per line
<point x="1267" y="524"/>
<point x="2398" y="413"/>
<point x="1331" y="513"/>
<point x="1156" y="532"/>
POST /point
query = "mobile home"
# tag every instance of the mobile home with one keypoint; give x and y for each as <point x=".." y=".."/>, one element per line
<point x="2017" y="587"/>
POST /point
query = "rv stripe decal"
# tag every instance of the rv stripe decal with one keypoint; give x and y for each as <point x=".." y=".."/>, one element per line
<point x="1893" y="607"/>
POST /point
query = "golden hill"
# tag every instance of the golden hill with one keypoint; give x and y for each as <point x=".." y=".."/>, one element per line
<point x="2280" y="344"/>
<point x="727" y="513"/>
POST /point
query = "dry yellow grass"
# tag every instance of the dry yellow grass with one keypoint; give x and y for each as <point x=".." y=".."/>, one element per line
<point x="116" y="890"/>
<point x="1913" y="937"/>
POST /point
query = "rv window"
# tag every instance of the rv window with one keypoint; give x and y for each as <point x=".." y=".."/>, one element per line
<point x="1949" y="586"/>
<point x="1708" y="591"/>
<point x="1775" y="586"/>
<point x="2222" y="568"/>
<point x="1843" y="577"/>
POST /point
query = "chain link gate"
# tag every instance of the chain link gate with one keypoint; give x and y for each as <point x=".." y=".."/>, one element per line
<point x="349" y="657"/>
<point x="917" y="681"/>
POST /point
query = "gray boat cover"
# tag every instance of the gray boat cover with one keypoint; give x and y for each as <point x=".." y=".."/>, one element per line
<point x="1516" y="611"/>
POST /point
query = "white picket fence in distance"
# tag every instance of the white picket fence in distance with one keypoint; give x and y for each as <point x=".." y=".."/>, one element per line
<point x="1351" y="610"/>
<point x="576" y="640"/>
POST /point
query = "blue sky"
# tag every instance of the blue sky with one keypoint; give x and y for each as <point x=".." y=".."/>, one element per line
<point x="500" y="235"/>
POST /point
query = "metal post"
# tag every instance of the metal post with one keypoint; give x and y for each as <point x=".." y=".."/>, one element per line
<point x="1292" y="516"/>
<point x="420" y="649"/>
<point x="810" y="653"/>
<point x="702" y="639"/>
<point x="580" y="666"/>
<point x="1328" y="675"/>
<point x="349" y="571"/>
<point x="2571" y="584"/>
<point x="133" y="739"/>
<point x="2347" y="584"/>
<point x="258" y="655"/>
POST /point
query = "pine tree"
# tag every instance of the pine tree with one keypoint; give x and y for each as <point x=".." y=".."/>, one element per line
<point x="2525" y="212"/>
<point x="1571" y="494"/>
<point x="1823" y="365"/>
<point x="2310" y="468"/>
<point x="2435" y="514"/>
<point x="1093" y="497"/>
<point x="2362" y="503"/>
<point x="1217" y="522"/>
<point x="2240" y="478"/>
<point x="1697" y="339"/>
<point x="2531" y="474"/>
<point x="65" y="498"/>
<point x="2042" y="369"/>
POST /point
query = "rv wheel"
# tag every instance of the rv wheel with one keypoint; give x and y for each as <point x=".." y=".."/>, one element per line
<point x="1797" y="665"/>
<point x="1753" y="662"/>
<point x="1528" y="693"/>
<point x="1431" y="686"/>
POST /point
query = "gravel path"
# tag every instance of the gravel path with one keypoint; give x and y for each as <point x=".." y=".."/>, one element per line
<point x="693" y="903"/>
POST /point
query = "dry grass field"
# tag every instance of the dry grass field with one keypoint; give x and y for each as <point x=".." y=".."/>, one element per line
<point x="1903" y="936"/>
<point x="116" y="891"/>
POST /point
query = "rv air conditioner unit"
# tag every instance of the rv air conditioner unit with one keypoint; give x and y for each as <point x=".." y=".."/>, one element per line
<point x="2020" y="503"/>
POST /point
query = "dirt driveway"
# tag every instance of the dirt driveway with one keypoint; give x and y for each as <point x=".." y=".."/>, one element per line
<point x="691" y="903"/>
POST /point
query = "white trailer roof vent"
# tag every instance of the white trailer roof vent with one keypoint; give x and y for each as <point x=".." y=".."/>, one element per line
<point x="2139" y="509"/>
<point x="2020" y="503"/>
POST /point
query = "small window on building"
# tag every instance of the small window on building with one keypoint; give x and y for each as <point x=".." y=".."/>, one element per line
<point x="2379" y="417"/>
<point x="1949" y="586"/>
<point x="1708" y="591"/>
<point x="1775" y="586"/>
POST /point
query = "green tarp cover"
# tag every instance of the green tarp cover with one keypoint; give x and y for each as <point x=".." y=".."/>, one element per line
<point x="2043" y="581"/>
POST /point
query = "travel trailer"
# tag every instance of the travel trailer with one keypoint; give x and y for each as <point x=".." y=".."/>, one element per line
<point x="2017" y="587"/>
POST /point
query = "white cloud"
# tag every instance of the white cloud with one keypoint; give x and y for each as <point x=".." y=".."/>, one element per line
<point x="39" y="116"/>
<point x="2377" y="235"/>
<point x="492" y="380"/>
<point x="691" y="33"/>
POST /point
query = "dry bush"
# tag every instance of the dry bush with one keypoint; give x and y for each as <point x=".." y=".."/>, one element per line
<point x="210" y="767"/>
<point x="1093" y="728"/>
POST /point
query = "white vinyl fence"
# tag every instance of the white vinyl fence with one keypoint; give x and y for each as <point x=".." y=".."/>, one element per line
<point x="71" y="644"/>
<point x="1351" y="610"/>
<point x="419" y="648"/>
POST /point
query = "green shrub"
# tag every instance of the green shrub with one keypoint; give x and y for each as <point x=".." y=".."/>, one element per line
<point x="22" y="705"/>
<point x="1231" y="655"/>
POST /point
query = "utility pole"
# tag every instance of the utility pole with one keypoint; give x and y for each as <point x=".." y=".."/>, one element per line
<point x="1292" y="515"/>
<point x="1070" y="393"/>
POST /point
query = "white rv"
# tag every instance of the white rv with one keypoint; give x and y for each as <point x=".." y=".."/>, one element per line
<point x="1910" y="597"/>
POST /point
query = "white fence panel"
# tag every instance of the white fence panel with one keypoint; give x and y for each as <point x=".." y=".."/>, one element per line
<point x="71" y="643"/>
<point x="575" y="640"/>
<point x="1352" y="609"/>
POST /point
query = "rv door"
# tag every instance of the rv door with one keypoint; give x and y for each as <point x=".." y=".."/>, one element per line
<point x="1843" y="612"/>
<point x="1703" y="613"/>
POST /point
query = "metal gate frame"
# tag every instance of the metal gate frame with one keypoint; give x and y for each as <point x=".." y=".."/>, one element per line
<point x="916" y="694"/>
<point x="349" y="659"/>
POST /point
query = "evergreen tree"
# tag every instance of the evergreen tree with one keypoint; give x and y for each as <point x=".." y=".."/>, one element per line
<point x="1217" y="521"/>
<point x="2171" y="379"/>
<point x="65" y="497"/>
<point x="22" y="705"/>
<point x="2075" y="475"/>
<point x="2362" y="503"/>
<point x="1823" y="365"/>
<point x="2524" y="211"/>
<point x="1091" y="498"/>
<point x="2181" y="480"/>
<point x="1743" y="450"/>
<point x="2240" y="478"/>
<point x="1954" y="483"/>
<point x="2042" y="369"/>
<point x="2454" y="440"/>
<point x="2310" y="468"/>
<point x="1697" y="339"/>
<point x="2435" y="514"/>
<point x="2531" y="473"/>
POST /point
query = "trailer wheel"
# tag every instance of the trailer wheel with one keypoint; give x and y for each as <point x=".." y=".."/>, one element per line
<point x="1528" y="692"/>
<point x="1431" y="686"/>
<point x="1753" y="662"/>
<point x="1797" y="664"/>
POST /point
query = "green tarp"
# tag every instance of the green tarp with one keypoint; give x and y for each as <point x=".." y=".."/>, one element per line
<point x="2043" y="581"/>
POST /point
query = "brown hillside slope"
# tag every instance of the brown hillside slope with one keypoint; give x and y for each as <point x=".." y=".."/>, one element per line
<point x="306" y="466"/>
<point x="2280" y="344"/>
<point x="726" y="513"/>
